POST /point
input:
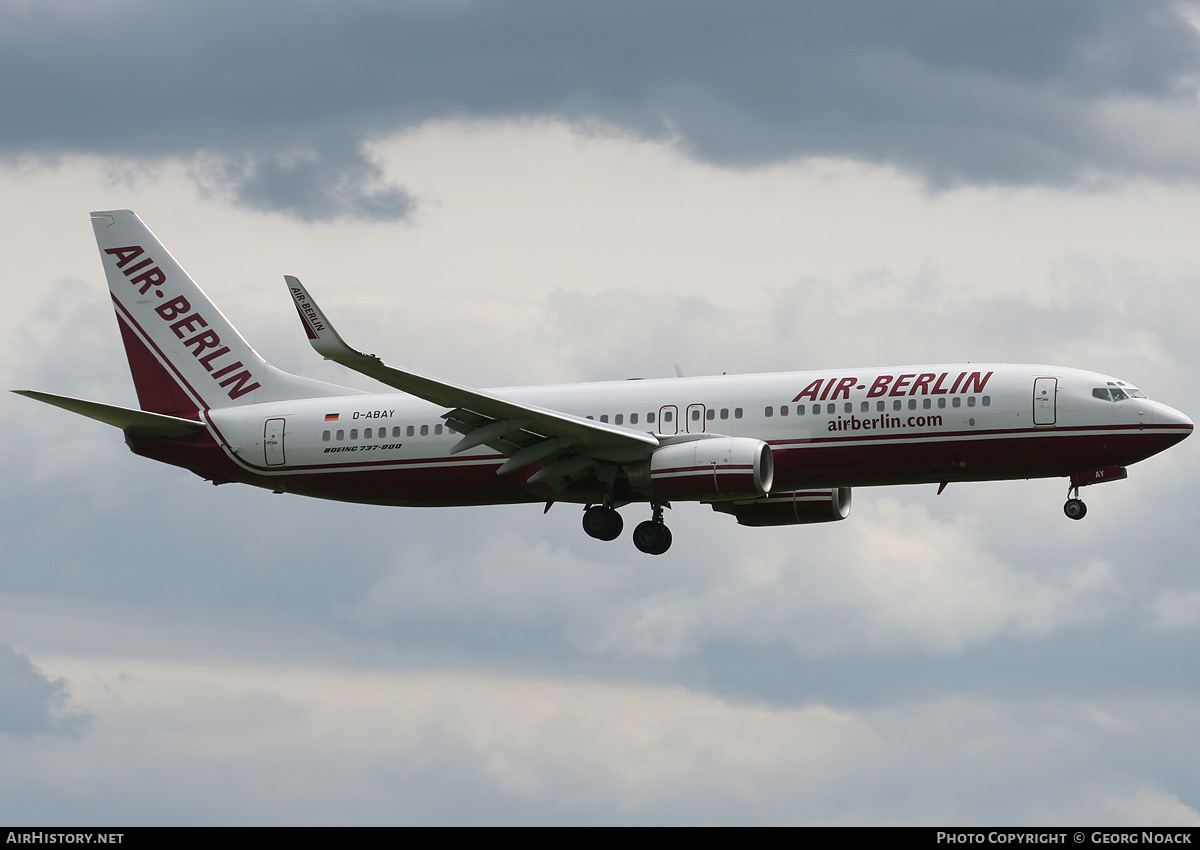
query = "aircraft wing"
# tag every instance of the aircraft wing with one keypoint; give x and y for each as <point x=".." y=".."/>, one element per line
<point x="568" y="447"/>
<point x="139" y="421"/>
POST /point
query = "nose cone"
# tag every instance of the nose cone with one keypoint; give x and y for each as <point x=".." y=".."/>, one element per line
<point x="1170" y="425"/>
<point x="1173" y="419"/>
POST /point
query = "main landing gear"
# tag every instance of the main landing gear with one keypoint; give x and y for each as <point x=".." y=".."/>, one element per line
<point x="604" y="523"/>
<point x="652" y="536"/>
<point x="1074" y="508"/>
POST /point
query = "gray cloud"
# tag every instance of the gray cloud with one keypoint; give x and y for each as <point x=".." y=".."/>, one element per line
<point x="33" y="703"/>
<point x="310" y="185"/>
<point x="983" y="92"/>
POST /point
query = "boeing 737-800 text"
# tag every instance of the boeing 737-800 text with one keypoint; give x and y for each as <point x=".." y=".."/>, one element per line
<point x="772" y="449"/>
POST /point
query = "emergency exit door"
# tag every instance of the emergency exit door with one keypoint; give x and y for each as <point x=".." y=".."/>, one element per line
<point x="273" y="441"/>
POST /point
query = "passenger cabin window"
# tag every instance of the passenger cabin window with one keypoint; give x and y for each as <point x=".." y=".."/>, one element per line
<point x="724" y="412"/>
<point x="783" y="410"/>
<point x="769" y="412"/>
<point x="603" y="417"/>
<point x="437" y="429"/>
<point x="619" y="419"/>
<point x="409" y="430"/>
<point x="710" y="414"/>
<point x="396" y="431"/>
<point x="650" y="418"/>
<point x="737" y="413"/>
<point x="353" y="433"/>
<point x="367" y="434"/>
<point x="970" y="401"/>
<point x="424" y="430"/>
<point x="667" y="416"/>
<point x="799" y="410"/>
<point x="341" y="435"/>
<point x="695" y="415"/>
<point x="325" y="436"/>
<point x="633" y="418"/>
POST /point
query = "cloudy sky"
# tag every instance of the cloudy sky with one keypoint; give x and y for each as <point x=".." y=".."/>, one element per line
<point x="506" y="193"/>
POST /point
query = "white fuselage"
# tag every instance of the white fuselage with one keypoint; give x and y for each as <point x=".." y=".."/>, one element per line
<point x="849" y="427"/>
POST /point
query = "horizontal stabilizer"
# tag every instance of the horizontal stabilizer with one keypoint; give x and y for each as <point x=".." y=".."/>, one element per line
<point x="138" y="421"/>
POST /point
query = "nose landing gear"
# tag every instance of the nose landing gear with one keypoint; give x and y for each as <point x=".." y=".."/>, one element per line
<point x="1075" y="508"/>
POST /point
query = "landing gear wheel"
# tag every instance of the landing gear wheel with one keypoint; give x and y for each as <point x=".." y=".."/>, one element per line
<point x="652" y="537"/>
<point x="1075" y="509"/>
<point x="602" y="523"/>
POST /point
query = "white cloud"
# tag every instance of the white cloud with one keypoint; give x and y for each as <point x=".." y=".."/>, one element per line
<point x="891" y="579"/>
<point x="196" y="743"/>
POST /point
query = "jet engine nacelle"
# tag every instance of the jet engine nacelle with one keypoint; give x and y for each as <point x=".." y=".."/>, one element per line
<point x="797" y="507"/>
<point x="699" y="470"/>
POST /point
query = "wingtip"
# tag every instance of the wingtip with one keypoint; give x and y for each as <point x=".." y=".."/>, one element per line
<point x="321" y="335"/>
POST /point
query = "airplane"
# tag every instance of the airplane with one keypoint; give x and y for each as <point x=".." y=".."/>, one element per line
<point x="769" y="449"/>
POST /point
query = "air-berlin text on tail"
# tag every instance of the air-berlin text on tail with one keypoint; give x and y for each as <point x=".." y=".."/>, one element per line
<point x="308" y="314"/>
<point x="204" y="345"/>
<point x="924" y="383"/>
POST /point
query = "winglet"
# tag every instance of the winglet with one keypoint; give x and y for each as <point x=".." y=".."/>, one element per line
<point x="324" y="339"/>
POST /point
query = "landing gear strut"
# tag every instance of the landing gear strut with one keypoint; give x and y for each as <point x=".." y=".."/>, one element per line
<point x="1074" y="508"/>
<point x="602" y="522"/>
<point x="652" y="536"/>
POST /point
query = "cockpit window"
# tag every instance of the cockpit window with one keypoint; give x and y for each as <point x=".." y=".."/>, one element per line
<point x="1117" y="391"/>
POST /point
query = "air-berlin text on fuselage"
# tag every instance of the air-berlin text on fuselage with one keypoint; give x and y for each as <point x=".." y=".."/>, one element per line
<point x="205" y="346"/>
<point x="923" y="383"/>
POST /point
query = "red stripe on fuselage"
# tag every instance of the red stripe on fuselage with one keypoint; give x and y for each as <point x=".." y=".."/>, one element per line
<point x="826" y="464"/>
<point x="994" y="456"/>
